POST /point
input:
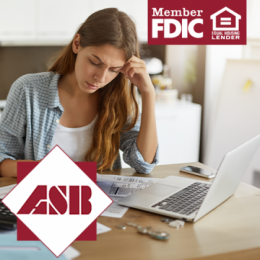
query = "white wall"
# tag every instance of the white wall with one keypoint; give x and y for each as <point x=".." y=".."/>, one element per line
<point x="216" y="57"/>
<point x="54" y="22"/>
<point x="181" y="59"/>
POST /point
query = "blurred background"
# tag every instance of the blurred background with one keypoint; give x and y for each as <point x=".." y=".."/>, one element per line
<point x="207" y="97"/>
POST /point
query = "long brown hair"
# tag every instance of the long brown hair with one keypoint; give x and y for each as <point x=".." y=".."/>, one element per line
<point x="118" y="106"/>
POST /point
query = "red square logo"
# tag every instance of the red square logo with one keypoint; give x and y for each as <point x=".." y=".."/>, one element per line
<point x="57" y="201"/>
<point x="198" y="22"/>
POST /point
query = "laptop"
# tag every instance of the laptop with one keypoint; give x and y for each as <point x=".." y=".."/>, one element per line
<point x="189" y="199"/>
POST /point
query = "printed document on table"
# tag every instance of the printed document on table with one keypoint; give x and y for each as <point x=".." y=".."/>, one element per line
<point x="117" y="187"/>
<point x="144" y="181"/>
<point x="114" y="210"/>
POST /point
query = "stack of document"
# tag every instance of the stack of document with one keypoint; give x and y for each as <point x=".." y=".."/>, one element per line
<point x="117" y="187"/>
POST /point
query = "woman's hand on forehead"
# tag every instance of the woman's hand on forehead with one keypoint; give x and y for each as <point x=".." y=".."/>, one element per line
<point x="135" y="70"/>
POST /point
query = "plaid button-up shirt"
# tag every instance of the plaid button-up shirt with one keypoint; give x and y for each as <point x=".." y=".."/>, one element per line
<point x="29" y="119"/>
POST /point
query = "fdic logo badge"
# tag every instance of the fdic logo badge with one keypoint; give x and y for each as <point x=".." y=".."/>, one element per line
<point x="57" y="201"/>
<point x="197" y="22"/>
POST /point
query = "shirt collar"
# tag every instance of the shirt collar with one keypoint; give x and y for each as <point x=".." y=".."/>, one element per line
<point x="54" y="99"/>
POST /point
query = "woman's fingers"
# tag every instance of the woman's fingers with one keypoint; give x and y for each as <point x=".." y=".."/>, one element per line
<point x="135" y="59"/>
<point x="135" y="70"/>
<point x="132" y="62"/>
<point x="129" y="65"/>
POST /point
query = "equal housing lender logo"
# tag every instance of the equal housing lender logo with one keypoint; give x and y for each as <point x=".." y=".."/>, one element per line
<point x="56" y="201"/>
<point x="197" y="22"/>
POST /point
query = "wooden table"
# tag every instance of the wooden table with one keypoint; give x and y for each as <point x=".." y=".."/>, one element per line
<point x="231" y="231"/>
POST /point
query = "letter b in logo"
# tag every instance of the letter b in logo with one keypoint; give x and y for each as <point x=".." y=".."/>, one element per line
<point x="78" y="201"/>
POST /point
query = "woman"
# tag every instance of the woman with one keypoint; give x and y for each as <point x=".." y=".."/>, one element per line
<point x="85" y="103"/>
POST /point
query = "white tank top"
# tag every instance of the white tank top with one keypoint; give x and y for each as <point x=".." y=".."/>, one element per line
<point x="75" y="142"/>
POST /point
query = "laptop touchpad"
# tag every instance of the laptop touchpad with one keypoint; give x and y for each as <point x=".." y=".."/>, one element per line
<point x="160" y="190"/>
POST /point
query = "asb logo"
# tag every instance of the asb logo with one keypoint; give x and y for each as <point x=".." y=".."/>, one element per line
<point x="38" y="202"/>
<point x="58" y="202"/>
<point x="197" y="22"/>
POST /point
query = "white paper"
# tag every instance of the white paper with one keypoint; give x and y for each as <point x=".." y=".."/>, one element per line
<point x="5" y="190"/>
<point x="71" y="253"/>
<point x="114" y="210"/>
<point x="117" y="187"/>
<point x="126" y="179"/>
<point x="102" y="229"/>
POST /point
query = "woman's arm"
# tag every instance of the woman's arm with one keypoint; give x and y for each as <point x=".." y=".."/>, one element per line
<point x="8" y="167"/>
<point x="13" y="129"/>
<point x="147" y="141"/>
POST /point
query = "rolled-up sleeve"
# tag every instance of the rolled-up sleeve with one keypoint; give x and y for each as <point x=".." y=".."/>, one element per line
<point x="13" y="124"/>
<point x="131" y="153"/>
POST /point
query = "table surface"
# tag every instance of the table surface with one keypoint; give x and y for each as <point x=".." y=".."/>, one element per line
<point x="231" y="231"/>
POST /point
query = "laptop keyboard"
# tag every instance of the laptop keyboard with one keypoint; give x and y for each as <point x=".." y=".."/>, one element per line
<point x="186" y="201"/>
<point x="7" y="218"/>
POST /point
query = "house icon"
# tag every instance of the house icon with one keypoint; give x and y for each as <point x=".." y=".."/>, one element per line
<point x="225" y="20"/>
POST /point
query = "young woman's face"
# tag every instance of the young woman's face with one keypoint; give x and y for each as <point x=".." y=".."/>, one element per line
<point x="96" y="66"/>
